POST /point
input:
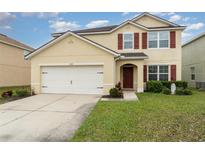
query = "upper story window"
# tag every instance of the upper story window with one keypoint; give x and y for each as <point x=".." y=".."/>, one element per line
<point x="128" y="40"/>
<point x="158" y="39"/>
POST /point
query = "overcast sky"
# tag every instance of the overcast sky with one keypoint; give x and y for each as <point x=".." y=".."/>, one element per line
<point x="34" y="29"/>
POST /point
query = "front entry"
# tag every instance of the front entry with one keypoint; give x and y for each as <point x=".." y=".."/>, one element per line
<point x="127" y="77"/>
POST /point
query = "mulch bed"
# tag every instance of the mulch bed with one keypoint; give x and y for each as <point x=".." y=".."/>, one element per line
<point x="9" y="99"/>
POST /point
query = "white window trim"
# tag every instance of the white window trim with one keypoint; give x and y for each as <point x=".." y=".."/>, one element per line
<point x="159" y="40"/>
<point x="169" y="78"/>
<point x="132" y="40"/>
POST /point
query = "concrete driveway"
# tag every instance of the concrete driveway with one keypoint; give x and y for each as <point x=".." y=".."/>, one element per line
<point x="44" y="117"/>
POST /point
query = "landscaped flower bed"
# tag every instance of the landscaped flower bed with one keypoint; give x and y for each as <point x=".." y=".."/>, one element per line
<point x="8" y="94"/>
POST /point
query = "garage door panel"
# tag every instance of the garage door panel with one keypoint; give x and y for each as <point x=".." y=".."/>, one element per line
<point x="75" y="79"/>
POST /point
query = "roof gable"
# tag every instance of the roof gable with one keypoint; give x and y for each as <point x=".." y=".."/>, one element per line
<point x="197" y="37"/>
<point x="45" y="46"/>
<point x="153" y="18"/>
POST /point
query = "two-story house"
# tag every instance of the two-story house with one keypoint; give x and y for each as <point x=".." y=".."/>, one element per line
<point x="14" y="69"/>
<point x="91" y="61"/>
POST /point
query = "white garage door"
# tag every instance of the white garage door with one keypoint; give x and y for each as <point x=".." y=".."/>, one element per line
<point x="74" y="79"/>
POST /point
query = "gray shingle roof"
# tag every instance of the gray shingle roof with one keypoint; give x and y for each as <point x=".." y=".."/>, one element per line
<point x="6" y="39"/>
<point x="137" y="55"/>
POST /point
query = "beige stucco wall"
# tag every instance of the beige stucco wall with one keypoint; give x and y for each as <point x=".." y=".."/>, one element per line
<point x="14" y="69"/>
<point x="156" y="56"/>
<point x="150" y="22"/>
<point x="71" y="51"/>
<point x="193" y="55"/>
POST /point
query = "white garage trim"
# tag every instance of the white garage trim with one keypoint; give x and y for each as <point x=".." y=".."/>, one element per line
<point x="71" y="64"/>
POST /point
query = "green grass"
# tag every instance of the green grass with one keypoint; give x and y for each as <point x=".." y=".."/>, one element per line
<point x="14" y="97"/>
<point x="157" y="117"/>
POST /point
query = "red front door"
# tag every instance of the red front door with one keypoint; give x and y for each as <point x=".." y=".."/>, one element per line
<point x="128" y="77"/>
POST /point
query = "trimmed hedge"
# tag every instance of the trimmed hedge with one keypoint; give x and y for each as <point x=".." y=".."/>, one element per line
<point x="154" y="86"/>
<point x="181" y="91"/>
<point x="158" y="86"/>
<point x="166" y="84"/>
<point x="182" y="84"/>
<point x="166" y="91"/>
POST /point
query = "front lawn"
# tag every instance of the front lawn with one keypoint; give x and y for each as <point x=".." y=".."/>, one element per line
<point x="157" y="117"/>
<point x="14" y="97"/>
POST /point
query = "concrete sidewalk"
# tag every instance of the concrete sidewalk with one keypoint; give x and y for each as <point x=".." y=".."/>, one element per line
<point x="130" y="96"/>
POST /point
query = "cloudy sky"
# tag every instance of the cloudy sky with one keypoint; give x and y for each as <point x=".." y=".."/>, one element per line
<point x="34" y="29"/>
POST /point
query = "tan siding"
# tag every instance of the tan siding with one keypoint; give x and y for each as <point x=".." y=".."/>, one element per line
<point x="14" y="70"/>
<point x="150" y="22"/>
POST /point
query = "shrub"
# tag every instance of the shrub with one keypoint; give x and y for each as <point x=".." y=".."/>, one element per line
<point x="154" y="86"/>
<point x="118" y="86"/>
<point x="114" y="92"/>
<point x="187" y="92"/>
<point x="181" y="91"/>
<point x="182" y="84"/>
<point x="166" y="91"/>
<point x="166" y="84"/>
<point x="22" y="92"/>
<point x="7" y="94"/>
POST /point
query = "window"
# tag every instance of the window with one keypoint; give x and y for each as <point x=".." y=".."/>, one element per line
<point x="192" y="73"/>
<point x="128" y="40"/>
<point x="153" y="73"/>
<point x="163" y="39"/>
<point x="158" y="39"/>
<point x="158" y="72"/>
<point x="153" y="40"/>
<point x="163" y="73"/>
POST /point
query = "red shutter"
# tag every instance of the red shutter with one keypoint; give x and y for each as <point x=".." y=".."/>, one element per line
<point x="144" y="40"/>
<point x="173" y="73"/>
<point x="145" y="73"/>
<point x="136" y="40"/>
<point x="172" y="39"/>
<point x="120" y="40"/>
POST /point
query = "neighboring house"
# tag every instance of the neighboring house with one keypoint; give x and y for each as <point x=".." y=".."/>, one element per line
<point x="14" y="69"/>
<point x="193" y="61"/>
<point x="92" y="61"/>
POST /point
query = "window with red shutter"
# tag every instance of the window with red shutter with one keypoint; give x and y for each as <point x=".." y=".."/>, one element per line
<point x="120" y="41"/>
<point x="172" y="39"/>
<point x="144" y="40"/>
<point x="136" y="40"/>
